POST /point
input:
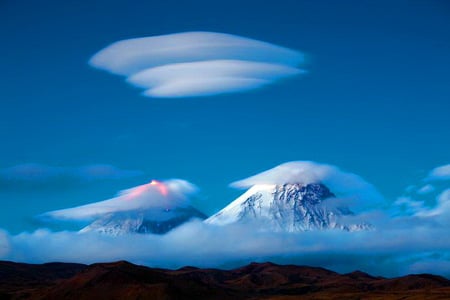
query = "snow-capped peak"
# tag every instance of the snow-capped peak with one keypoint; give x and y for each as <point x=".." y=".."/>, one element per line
<point x="288" y="207"/>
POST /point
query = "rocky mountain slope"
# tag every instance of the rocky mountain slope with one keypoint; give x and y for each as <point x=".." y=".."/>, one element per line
<point x="288" y="207"/>
<point x="152" y="221"/>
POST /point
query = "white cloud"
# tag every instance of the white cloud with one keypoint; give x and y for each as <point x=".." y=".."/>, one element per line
<point x="408" y="206"/>
<point x="203" y="86"/>
<point x="341" y="183"/>
<point x="442" y="207"/>
<point x="426" y="189"/>
<point x="208" y="77"/>
<point x="420" y="199"/>
<point x="439" y="173"/>
<point x="197" y="63"/>
<point x="154" y="195"/>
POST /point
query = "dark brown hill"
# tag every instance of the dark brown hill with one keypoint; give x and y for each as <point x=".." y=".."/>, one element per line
<point x="123" y="280"/>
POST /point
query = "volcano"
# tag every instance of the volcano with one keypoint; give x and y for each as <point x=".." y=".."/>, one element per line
<point x="288" y="207"/>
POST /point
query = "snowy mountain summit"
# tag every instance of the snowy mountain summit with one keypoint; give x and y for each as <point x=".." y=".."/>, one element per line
<point x="288" y="207"/>
<point x="154" y="207"/>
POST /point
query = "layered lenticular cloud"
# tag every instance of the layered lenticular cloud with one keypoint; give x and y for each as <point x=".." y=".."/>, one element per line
<point x="154" y="195"/>
<point x="343" y="184"/>
<point x="198" y="63"/>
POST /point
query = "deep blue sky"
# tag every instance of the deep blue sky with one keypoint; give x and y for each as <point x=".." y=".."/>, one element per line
<point x="376" y="100"/>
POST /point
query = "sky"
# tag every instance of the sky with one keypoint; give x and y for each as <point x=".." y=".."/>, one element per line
<point x="374" y="100"/>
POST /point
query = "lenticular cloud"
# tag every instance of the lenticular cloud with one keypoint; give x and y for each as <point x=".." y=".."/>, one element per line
<point x="197" y="63"/>
<point x="343" y="184"/>
<point x="154" y="195"/>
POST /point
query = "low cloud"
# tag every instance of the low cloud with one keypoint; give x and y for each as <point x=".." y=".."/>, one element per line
<point x="198" y="63"/>
<point x="359" y="192"/>
<point x="394" y="249"/>
<point x="154" y="195"/>
<point x="39" y="173"/>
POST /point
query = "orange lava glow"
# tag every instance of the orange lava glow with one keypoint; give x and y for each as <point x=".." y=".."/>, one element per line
<point x="161" y="186"/>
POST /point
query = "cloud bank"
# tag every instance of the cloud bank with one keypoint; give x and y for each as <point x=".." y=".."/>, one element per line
<point x="164" y="195"/>
<point x="394" y="249"/>
<point x="197" y="63"/>
<point x="343" y="184"/>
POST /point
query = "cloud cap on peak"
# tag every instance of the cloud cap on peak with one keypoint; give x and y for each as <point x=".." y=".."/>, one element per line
<point x="341" y="183"/>
<point x="155" y="195"/>
<point x="167" y="65"/>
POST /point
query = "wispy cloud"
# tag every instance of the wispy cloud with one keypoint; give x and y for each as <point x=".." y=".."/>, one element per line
<point x="426" y="189"/>
<point x="40" y="173"/>
<point x="426" y="196"/>
<point x="440" y="173"/>
<point x="198" y="63"/>
<point x="441" y="209"/>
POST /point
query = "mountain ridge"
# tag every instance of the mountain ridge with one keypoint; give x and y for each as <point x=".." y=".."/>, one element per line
<point x="124" y="280"/>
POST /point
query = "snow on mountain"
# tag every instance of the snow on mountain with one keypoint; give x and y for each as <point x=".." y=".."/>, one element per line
<point x="287" y="207"/>
<point x="143" y="222"/>
<point x="342" y="183"/>
<point x="154" y="207"/>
